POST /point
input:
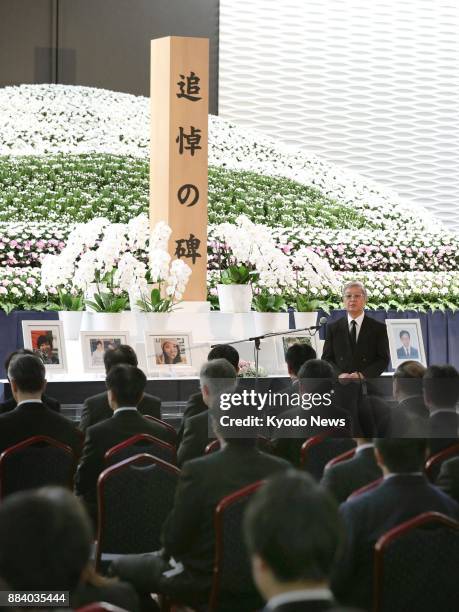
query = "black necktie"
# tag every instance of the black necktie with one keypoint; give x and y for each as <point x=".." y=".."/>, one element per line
<point x="353" y="334"/>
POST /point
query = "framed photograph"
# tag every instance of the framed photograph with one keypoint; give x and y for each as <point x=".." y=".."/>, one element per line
<point x="172" y="349"/>
<point x="95" y="344"/>
<point x="283" y="343"/>
<point x="405" y="341"/>
<point x="46" y="339"/>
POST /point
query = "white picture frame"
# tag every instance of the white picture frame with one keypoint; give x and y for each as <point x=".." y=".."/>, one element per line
<point x="94" y="344"/>
<point x="46" y="340"/>
<point x="285" y="341"/>
<point x="405" y="341"/>
<point x="162" y="357"/>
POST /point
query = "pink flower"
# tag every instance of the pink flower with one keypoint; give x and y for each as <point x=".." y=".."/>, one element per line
<point x="30" y="281"/>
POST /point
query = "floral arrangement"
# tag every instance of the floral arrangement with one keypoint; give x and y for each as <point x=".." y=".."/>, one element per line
<point x="247" y="370"/>
<point x="20" y="288"/>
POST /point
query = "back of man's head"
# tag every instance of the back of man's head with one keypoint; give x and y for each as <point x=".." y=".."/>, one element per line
<point x="225" y="351"/>
<point x="21" y="351"/>
<point x="401" y="455"/>
<point x="297" y="355"/>
<point x="121" y="354"/>
<point x="27" y="372"/>
<point x="216" y="377"/>
<point x="127" y="384"/>
<point x="316" y="376"/>
<point x="292" y="526"/>
<point x="408" y="379"/>
<point x="441" y="387"/>
<point x="45" y="540"/>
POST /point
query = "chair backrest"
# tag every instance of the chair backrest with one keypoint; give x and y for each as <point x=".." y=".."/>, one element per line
<point x="415" y="565"/>
<point x="138" y="444"/>
<point x="434" y="463"/>
<point x="134" y="498"/>
<point x="317" y="451"/>
<point x="168" y="429"/>
<point x="212" y="447"/>
<point x="367" y="487"/>
<point x="100" y="606"/>
<point x="232" y="574"/>
<point x="343" y="457"/>
<point x="36" y="462"/>
<point x="264" y="444"/>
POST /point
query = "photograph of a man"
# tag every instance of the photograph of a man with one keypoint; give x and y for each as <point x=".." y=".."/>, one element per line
<point x="406" y="351"/>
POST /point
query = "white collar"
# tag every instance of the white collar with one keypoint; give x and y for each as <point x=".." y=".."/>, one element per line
<point x="364" y="446"/>
<point x="32" y="401"/>
<point x="358" y="320"/>
<point x="447" y="410"/>
<point x="125" y="409"/>
<point x="391" y="475"/>
<point x="302" y="595"/>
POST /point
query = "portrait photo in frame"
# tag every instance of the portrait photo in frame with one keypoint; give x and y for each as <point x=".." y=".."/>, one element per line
<point x="166" y="350"/>
<point x="46" y="340"/>
<point x="94" y="345"/>
<point x="405" y="341"/>
<point x="283" y="343"/>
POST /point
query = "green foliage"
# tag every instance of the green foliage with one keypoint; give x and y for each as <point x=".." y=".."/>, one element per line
<point x="67" y="301"/>
<point x="155" y="303"/>
<point x="108" y="302"/>
<point x="238" y="275"/>
<point x="265" y="302"/>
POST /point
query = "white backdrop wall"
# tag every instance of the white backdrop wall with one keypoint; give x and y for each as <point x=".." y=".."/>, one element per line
<point x="372" y="86"/>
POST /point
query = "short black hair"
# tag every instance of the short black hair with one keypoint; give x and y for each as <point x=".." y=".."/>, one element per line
<point x="316" y="375"/>
<point x="402" y="455"/>
<point x="45" y="540"/>
<point x="121" y="354"/>
<point x="22" y="351"/>
<point x="441" y="386"/>
<point x="404" y="332"/>
<point x="297" y="355"/>
<point x="28" y="372"/>
<point x="409" y="377"/>
<point x="127" y="383"/>
<point x="45" y="339"/>
<point x="294" y="526"/>
<point x="225" y="351"/>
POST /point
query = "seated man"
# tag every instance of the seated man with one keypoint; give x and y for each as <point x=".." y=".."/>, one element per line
<point x="188" y="533"/>
<point x="410" y="415"/>
<point x="403" y="494"/>
<point x="96" y="408"/>
<point x="214" y="376"/>
<point x="196" y="404"/>
<point x="10" y="404"/>
<point x="32" y="417"/>
<point x="293" y="530"/>
<point x="295" y="357"/>
<point x="345" y="477"/>
<point x="45" y="545"/>
<point x="441" y="396"/>
<point x="125" y="384"/>
<point x="448" y="478"/>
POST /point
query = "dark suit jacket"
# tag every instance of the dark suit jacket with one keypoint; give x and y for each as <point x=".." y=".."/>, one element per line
<point x="371" y="355"/>
<point x="189" y="532"/>
<point x="50" y="402"/>
<point x="309" y="605"/>
<point x="97" y="408"/>
<point x="195" y="405"/>
<point x="347" y="476"/>
<point x="99" y="439"/>
<point x="448" y="479"/>
<point x="370" y="515"/>
<point x="35" y="419"/>
<point x="443" y="430"/>
<point x="195" y="438"/>
<point x="413" y="353"/>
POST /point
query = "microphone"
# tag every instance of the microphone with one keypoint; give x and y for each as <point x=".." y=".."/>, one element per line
<point x="322" y="321"/>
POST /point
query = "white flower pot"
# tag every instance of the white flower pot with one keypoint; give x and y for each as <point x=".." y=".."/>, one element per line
<point x="235" y="298"/>
<point x="71" y="322"/>
<point x="106" y="321"/>
<point x="267" y="322"/>
<point x="305" y="319"/>
<point x="157" y="322"/>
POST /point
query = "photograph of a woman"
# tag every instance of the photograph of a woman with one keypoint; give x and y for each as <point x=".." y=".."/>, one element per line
<point x="170" y="352"/>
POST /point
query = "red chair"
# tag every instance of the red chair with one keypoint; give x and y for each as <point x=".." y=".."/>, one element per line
<point x="343" y="457"/>
<point x="134" y="498"/>
<point x="368" y="487"/>
<point x="263" y="444"/>
<point x="138" y="444"/>
<point x="434" y="463"/>
<point x="100" y="606"/>
<point x="415" y="565"/>
<point x="171" y="434"/>
<point x="232" y="578"/>
<point x="36" y="462"/>
<point x="317" y="451"/>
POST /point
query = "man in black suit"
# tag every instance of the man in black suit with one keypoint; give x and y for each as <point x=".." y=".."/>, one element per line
<point x="10" y="404"/>
<point x="448" y="478"/>
<point x="356" y="345"/>
<point x="347" y="476"/>
<point x="215" y="376"/>
<point x="441" y="396"/>
<point x="410" y="416"/>
<point x="31" y="417"/>
<point x="403" y="494"/>
<point x="196" y="404"/>
<point x="295" y="356"/>
<point x="189" y="533"/>
<point x="97" y="408"/>
<point x="125" y="384"/>
<point x="293" y="529"/>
